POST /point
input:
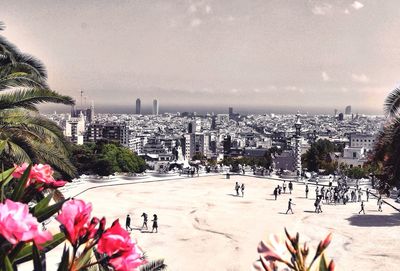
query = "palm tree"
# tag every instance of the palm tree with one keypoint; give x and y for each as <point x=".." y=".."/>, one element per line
<point x="25" y="136"/>
<point x="386" y="153"/>
<point x="392" y="103"/>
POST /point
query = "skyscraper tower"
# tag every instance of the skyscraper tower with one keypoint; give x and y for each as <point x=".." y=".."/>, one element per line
<point x="347" y="110"/>
<point x="138" y="106"/>
<point x="155" y="107"/>
<point x="297" y="125"/>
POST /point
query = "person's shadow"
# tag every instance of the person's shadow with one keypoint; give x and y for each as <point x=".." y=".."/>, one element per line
<point x="233" y="195"/>
<point x="367" y="220"/>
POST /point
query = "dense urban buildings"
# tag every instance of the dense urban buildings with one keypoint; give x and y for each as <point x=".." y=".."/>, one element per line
<point x="159" y="137"/>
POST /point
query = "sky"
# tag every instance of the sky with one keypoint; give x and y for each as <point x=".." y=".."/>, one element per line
<point x="298" y="54"/>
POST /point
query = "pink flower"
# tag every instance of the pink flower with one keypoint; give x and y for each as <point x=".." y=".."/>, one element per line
<point x="274" y="251"/>
<point x="129" y="261"/>
<point x="40" y="174"/>
<point x="115" y="240"/>
<point x="124" y="253"/>
<point x="75" y="217"/>
<point x="17" y="224"/>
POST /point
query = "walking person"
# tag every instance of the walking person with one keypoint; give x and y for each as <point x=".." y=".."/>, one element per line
<point x="128" y="223"/>
<point x="362" y="208"/>
<point x="316" y="205"/>
<point x="367" y="192"/>
<point x="380" y="202"/>
<point x="284" y="187"/>
<point x="307" y="191"/>
<point x="290" y="187"/>
<point x="276" y="192"/>
<point x="242" y="189"/>
<point x="237" y="186"/>
<point x="155" y="223"/>
<point x="290" y="203"/>
<point x="144" y="215"/>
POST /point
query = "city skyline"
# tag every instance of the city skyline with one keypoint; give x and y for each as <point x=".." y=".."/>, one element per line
<point x="297" y="55"/>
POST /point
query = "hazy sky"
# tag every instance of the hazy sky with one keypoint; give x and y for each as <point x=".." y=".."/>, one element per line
<point x="324" y="54"/>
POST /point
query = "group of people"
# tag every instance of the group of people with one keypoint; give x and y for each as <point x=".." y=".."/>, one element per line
<point x="340" y="194"/>
<point x="278" y="190"/>
<point x="239" y="187"/>
<point x="144" y="225"/>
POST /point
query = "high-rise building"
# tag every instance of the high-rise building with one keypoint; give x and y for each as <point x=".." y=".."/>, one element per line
<point x="347" y="110"/>
<point x="196" y="143"/>
<point x="335" y="113"/>
<point x="74" y="128"/>
<point x="155" y="107"/>
<point x="230" y="111"/>
<point x="138" y="106"/>
<point x="297" y="126"/>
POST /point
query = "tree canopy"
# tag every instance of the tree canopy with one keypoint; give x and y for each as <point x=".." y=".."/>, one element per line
<point x="105" y="158"/>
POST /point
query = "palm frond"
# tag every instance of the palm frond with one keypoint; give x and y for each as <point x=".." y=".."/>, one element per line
<point x="28" y="99"/>
<point x="2" y="26"/>
<point x="60" y="162"/>
<point x="392" y="103"/>
<point x="34" y="126"/>
<point x="33" y="62"/>
<point x="156" y="265"/>
<point x="14" y="152"/>
<point x="17" y="74"/>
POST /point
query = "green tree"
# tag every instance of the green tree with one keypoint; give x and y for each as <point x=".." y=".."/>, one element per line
<point x="318" y="157"/>
<point x="25" y="136"/>
<point x="105" y="158"/>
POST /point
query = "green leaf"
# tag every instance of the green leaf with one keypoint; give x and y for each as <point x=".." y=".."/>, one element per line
<point x="156" y="265"/>
<point x="2" y="145"/>
<point x="7" y="264"/>
<point x="5" y="178"/>
<point x="25" y="254"/>
<point x="41" y="205"/>
<point x="37" y="263"/>
<point x="323" y="266"/>
<point x="84" y="259"/>
<point x="47" y="212"/>
<point x="63" y="266"/>
<point x="19" y="190"/>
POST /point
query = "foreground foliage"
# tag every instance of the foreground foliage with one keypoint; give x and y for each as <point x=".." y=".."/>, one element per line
<point x="27" y="195"/>
<point x="25" y="136"/>
<point x="289" y="254"/>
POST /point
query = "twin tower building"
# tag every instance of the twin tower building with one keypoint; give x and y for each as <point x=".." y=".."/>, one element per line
<point x="139" y="107"/>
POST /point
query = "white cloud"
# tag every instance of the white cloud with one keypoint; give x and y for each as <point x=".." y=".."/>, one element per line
<point x="346" y="11"/>
<point x="227" y="19"/>
<point x="192" y="8"/>
<point x="325" y="77"/>
<point x="208" y="9"/>
<point x="294" y="88"/>
<point x="195" y="22"/>
<point x="322" y="9"/>
<point x="357" y="5"/>
<point x="360" y="78"/>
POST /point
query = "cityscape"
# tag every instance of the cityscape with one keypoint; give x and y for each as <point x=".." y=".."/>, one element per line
<point x="199" y="135"/>
<point x="156" y="137"/>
